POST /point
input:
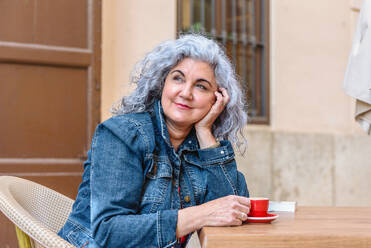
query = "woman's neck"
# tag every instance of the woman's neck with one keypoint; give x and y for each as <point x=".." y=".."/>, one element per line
<point x="177" y="134"/>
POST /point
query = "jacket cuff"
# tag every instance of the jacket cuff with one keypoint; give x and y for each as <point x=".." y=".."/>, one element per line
<point x="166" y="227"/>
<point x="219" y="154"/>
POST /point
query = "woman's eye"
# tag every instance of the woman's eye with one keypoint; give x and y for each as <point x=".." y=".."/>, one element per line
<point x="201" y="86"/>
<point x="178" y="78"/>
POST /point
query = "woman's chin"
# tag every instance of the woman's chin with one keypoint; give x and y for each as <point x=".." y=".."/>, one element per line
<point x="180" y="122"/>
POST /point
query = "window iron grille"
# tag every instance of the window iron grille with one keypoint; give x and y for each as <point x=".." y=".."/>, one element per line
<point x="242" y="27"/>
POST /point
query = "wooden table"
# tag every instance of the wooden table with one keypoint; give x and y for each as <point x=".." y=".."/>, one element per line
<point x="307" y="227"/>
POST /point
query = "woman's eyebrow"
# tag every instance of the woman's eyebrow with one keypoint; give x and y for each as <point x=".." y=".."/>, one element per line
<point x="179" y="72"/>
<point x="198" y="80"/>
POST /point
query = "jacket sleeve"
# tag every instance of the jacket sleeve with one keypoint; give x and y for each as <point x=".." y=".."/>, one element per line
<point x="221" y="172"/>
<point x="116" y="186"/>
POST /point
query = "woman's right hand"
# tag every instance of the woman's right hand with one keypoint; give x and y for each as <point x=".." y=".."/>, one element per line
<point x="230" y="210"/>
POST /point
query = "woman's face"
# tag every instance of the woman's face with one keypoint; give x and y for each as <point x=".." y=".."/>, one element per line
<point x="189" y="92"/>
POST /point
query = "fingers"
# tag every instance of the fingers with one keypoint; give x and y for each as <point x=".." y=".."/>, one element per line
<point x="243" y="209"/>
<point x="240" y="199"/>
<point x="229" y="210"/>
<point x="219" y="100"/>
<point x="222" y="98"/>
<point x="240" y="215"/>
<point x="238" y="218"/>
<point x="236" y="222"/>
<point x="243" y="216"/>
<point x="225" y="95"/>
<point x="240" y="207"/>
<point x="244" y="200"/>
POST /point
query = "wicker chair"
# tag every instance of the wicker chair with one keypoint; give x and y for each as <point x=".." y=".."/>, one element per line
<point x="37" y="212"/>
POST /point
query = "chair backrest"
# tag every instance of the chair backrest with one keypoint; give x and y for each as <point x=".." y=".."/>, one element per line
<point x="35" y="209"/>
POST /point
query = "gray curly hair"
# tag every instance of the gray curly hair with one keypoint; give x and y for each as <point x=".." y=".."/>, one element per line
<point x="150" y="73"/>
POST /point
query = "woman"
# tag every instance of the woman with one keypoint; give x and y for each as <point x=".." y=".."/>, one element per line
<point x="156" y="172"/>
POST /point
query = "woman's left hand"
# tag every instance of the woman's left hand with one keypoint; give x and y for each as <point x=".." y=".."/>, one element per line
<point x="204" y="126"/>
<point x="222" y="99"/>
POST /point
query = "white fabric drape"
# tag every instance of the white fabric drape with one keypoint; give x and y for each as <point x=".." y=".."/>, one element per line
<point x="357" y="81"/>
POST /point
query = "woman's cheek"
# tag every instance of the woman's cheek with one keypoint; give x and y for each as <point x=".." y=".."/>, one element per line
<point x="209" y="106"/>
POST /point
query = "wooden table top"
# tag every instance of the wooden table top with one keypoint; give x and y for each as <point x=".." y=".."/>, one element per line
<point x="307" y="227"/>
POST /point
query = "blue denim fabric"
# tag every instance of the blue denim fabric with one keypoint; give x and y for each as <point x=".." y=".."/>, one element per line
<point x="129" y="193"/>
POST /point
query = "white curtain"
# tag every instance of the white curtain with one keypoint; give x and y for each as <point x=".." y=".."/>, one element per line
<point x="357" y="81"/>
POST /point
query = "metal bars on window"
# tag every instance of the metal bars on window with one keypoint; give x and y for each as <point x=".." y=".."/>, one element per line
<point x="241" y="26"/>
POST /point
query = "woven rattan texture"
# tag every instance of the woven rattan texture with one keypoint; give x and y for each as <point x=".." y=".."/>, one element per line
<point x="37" y="210"/>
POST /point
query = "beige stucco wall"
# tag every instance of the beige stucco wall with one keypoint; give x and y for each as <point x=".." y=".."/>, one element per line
<point x="131" y="28"/>
<point x="313" y="152"/>
<point x="310" y="46"/>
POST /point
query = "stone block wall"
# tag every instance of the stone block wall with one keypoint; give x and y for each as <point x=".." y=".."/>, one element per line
<point x="314" y="169"/>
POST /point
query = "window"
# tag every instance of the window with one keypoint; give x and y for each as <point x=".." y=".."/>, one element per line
<point x="242" y="27"/>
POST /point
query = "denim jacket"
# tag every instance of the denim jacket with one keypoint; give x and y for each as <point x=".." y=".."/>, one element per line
<point x="129" y="192"/>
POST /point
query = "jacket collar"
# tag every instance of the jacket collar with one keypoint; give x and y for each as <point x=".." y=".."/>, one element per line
<point x="190" y="143"/>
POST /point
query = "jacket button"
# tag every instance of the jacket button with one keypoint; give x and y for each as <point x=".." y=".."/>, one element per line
<point x="187" y="198"/>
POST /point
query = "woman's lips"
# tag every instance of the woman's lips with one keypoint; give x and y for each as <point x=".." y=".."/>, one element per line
<point x="182" y="106"/>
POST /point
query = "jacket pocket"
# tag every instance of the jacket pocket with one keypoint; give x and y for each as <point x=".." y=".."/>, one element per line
<point x="159" y="169"/>
<point x="157" y="182"/>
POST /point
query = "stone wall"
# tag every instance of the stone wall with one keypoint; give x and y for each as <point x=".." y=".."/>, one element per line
<point x="310" y="168"/>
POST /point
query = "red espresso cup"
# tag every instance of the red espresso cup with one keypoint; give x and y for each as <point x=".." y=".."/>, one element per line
<point x="259" y="207"/>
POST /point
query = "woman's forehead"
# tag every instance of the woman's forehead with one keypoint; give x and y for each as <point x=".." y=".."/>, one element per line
<point x="191" y="63"/>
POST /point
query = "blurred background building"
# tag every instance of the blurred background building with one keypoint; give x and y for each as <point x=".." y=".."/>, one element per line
<point x="64" y="63"/>
<point x="304" y="144"/>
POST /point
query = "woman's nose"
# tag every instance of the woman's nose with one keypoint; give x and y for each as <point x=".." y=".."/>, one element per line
<point x="186" y="91"/>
